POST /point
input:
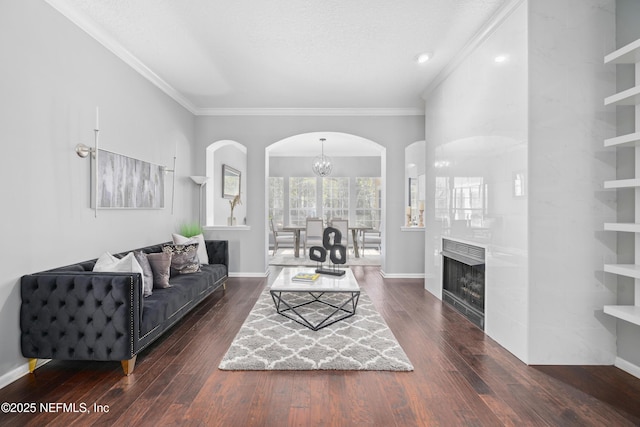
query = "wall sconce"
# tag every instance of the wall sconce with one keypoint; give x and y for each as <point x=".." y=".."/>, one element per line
<point x="83" y="150"/>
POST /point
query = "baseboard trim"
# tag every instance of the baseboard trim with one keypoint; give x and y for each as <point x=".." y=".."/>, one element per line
<point x="19" y="372"/>
<point x="628" y="367"/>
<point x="402" y="275"/>
<point x="240" y="274"/>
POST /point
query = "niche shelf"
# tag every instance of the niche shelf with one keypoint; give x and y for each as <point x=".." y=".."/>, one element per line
<point x="629" y="54"/>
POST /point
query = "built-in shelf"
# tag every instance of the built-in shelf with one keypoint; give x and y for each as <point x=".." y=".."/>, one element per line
<point x="622" y="183"/>
<point x="626" y="97"/>
<point x="628" y="270"/>
<point x="620" y="226"/>
<point x="629" y="54"/>
<point x="630" y="313"/>
<point x="630" y="140"/>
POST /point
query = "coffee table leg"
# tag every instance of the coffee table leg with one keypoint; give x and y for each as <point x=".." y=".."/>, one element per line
<point x="278" y="300"/>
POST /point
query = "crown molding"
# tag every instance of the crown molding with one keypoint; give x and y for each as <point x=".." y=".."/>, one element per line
<point x="496" y="20"/>
<point x="121" y="52"/>
<point x="117" y="49"/>
<point x="310" y="112"/>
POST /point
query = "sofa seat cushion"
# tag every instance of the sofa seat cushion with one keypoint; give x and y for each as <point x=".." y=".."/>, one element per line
<point x="185" y="289"/>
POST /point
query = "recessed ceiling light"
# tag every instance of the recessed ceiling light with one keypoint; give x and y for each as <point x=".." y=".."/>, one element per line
<point x="423" y="57"/>
<point x="501" y="58"/>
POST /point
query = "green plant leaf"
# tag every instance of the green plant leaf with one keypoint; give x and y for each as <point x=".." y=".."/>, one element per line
<point x="190" y="229"/>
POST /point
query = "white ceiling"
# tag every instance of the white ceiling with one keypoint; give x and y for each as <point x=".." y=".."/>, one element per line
<point x="217" y="55"/>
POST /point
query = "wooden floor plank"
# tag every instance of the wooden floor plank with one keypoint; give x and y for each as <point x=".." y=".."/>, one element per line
<point x="461" y="377"/>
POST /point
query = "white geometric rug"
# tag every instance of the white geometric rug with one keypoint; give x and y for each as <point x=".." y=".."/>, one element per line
<point x="270" y="341"/>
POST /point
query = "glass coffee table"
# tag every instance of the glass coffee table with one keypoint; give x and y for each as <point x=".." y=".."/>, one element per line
<point x="316" y="304"/>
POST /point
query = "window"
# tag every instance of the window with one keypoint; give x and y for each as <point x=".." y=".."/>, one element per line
<point x="276" y="199"/>
<point x="335" y="198"/>
<point x="368" y="202"/>
<point x="302" y="199"/>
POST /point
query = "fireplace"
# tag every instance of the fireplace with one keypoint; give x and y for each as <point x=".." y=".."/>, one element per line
<point x="463" y="279"/>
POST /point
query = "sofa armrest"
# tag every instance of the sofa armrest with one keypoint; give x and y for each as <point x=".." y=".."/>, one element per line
<point x="218" y="252"/>
<point x="80" y="315"/>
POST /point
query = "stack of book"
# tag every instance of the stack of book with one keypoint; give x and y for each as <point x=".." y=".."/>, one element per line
<point x="305" y="277"/>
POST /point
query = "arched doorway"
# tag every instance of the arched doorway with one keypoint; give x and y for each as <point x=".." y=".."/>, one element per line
<point x="357" y="162"/>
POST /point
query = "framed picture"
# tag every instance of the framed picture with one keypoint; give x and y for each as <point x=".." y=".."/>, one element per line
<point x="127" y="183"/>
<point x="230" y="182"/>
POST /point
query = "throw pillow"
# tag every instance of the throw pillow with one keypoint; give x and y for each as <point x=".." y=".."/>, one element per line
<point x="184" y="258"/>
<point x="160" y="263"/>
<point x="141" y="257"/>
<point x="203" y="257"/>
<point x="108" y="263"/>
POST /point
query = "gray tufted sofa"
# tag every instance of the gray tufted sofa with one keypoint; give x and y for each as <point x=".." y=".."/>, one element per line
<point x="73" y="313"/>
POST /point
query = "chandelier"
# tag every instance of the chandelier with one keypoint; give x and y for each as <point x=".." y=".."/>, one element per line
<point x="322" y="164"/>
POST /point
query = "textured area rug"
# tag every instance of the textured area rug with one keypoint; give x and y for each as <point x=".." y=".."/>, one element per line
<point x="270" y="341"/>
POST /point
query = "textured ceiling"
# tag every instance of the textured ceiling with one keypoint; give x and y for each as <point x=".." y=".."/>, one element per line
<point x="289" y="53"/>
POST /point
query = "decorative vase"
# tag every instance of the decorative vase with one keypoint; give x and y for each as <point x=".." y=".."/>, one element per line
<point x="231" y="220"/>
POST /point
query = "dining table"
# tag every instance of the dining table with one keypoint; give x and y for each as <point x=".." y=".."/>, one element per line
<point x="297" y="231"/>
<point x="355" y="230"/>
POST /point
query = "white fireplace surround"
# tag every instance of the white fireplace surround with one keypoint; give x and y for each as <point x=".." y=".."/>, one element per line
<point x="523" y="139"/>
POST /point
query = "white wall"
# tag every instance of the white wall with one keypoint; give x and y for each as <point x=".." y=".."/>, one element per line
<point x="568" y="165"/>
<point x="53" y="76"/>
<point x="541" y="113"/>
<point x="258" y="132"/>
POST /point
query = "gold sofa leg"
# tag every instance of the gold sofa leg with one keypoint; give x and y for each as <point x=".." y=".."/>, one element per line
<point x="32" y="365"/>
<point x="128" y="365"/>
<point x="224" y="285"/>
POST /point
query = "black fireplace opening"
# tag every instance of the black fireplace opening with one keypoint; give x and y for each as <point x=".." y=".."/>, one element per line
<point x="463" y="279"/>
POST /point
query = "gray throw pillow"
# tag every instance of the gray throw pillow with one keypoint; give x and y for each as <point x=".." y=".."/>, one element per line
<point x="160" y="266"/>
<point x="141" y="257"/>
<point x="184" y="258"/>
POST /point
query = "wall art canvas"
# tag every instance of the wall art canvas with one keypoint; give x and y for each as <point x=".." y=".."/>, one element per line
<point x="127" y="183"/>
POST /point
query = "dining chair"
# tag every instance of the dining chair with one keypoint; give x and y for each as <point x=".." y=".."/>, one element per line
<point x="313" y="233"/>
<point x="280" y="237"/>
<point x="343" y="226"/>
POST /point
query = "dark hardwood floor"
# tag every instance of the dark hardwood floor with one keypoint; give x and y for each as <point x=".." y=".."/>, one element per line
<point x="461" y="378"/>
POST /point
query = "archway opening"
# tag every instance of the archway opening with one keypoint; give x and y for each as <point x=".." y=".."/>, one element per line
<point x="355" y="190"/>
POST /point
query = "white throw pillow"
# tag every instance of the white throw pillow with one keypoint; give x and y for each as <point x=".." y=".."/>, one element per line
<point x="203" y="257"/>
<point x="107" y="263"/>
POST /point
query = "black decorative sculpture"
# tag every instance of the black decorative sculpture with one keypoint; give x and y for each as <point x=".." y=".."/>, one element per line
<point x="331" y="239"/>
